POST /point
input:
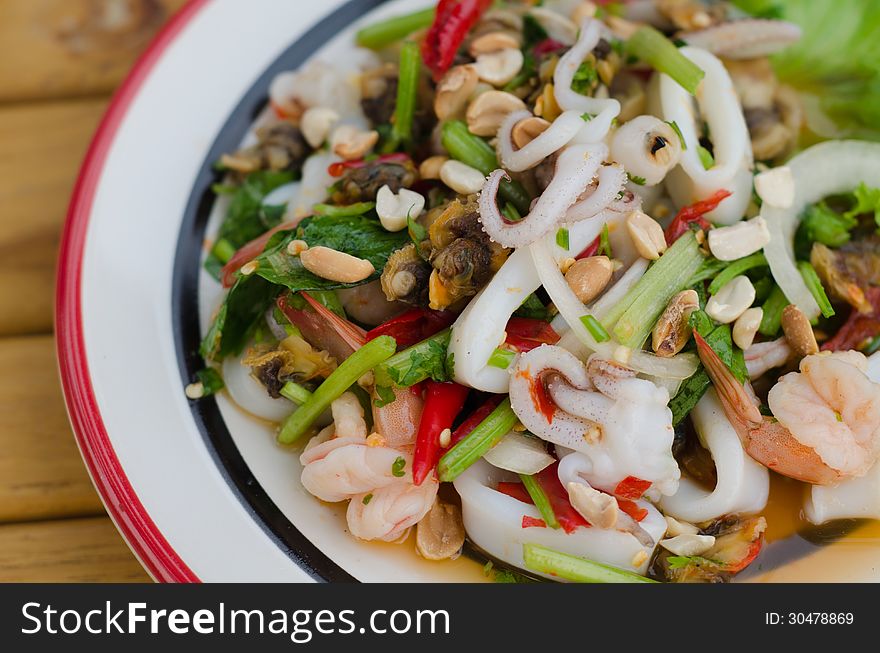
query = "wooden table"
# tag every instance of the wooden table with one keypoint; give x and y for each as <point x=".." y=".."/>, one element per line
<point x="59" y="63"/>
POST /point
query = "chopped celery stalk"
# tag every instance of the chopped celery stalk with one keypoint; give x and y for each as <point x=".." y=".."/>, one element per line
<point x="407" y="92"/>
<point x="223" y="250"/>
<point x="814" y="284"/>
<point x="773" y="307"/>
<point x="472" y="447"/>
<point x="391" y="30"/>
<point x="635" y="315"/>
<point x="736" y="268"/>
<point x="660" y="53"/>
<point x="477" y="153"/>
<point x="595" y="328"/>
<point x="542" y="503"/>
<point x="352" y="368"/>
<point x="425" y="359"/>
<point x="501" y="358"/>
<point x="295" y="392"/>
<point x="358" y="208"/>
<point x="579" y="570"/>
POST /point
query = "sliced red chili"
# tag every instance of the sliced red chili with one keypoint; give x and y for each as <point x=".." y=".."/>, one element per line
<point x="693" y="214"/>
<point x="338" y="169"/>
<point x="452" y="21"/>
<point x="516" y="491"/>
<point x="590" y="250"/>
<point x="525" y="334"/>
<point x="632" y="509"/>
<point x="531" y="522"/>
<point x="443" y="403"/>
<point x="631" y="488"/>
<point x="569" y="518"/>
<point x="474" y="419"/>
<point x="541" y="400"/>
<point x="547" y="46"/>
<point x="413" y="326"/>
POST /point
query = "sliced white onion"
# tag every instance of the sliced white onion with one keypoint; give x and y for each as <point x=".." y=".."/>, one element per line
<point x="570" y="100"/>
<point x="251" y="395"/>
<point x="747" y="38"/>
<point x="559" y="134"/>
<point x="721" y="109"/>
<point x="825" y="169"/>
<point x="519" y="453"/>
<point x="575" y="169"/>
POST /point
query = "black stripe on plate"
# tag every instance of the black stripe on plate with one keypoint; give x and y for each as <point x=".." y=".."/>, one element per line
<point x="184" y="297"/>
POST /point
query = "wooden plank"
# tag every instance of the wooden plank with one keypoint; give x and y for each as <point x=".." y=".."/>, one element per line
<point x="41" y="148"/>
<point x="67" y="48"/>
<point x="42" y="475"/>
<point x="66" y="551"/>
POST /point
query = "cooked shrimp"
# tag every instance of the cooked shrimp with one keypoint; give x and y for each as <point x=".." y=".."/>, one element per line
<point x="398" y="421"/>
<point x="826" y="424"/>
<point x="390" y="511"/>
<point x="761" y="357"/>
<point x="348" y="416"/>
<point x="352" y="468"/>
<point x="620" y="424"/>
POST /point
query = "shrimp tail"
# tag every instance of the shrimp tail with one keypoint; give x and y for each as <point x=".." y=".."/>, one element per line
<point x="737" y="401"/>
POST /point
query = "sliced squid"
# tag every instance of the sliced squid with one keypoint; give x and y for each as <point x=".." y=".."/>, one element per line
<point x="602" y="110"/>
<point x="620" y="424"/>
<point x="494" y="523"/>
<point x="743" y="484"/>
<point x="480" y="327"/>
<point x="720" y="107"/>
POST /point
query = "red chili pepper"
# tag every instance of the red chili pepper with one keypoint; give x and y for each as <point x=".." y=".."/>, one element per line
<point x="547" y="46"/>
<point x="516" y="491"/>
<point x="566" y="515"/>
<point x="452" y="22"/>
<point x="531" y="522"/>
<point x="590" y="250"/>
<point x="631" y="488"/>
<point x="413" y="326"/>
<point x="525" y="334"/>
<point x="632" y="509"/>
<point x="541" y="400"/>
<point x="694" y="214"/>
<point x="338" y="169"/>
<point x="443" y="403"/>
<point x="858" y="327"/>
<point x="464" y="429"/>
<point x="250" y="251"/>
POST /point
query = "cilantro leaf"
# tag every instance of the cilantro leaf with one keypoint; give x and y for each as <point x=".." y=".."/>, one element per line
<point x="867" y="201"/>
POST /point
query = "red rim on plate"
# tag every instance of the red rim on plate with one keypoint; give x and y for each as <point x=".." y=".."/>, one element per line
<point x="131" y="518"/>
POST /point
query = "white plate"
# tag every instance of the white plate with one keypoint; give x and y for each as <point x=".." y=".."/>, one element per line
<point x="198" y="490"/>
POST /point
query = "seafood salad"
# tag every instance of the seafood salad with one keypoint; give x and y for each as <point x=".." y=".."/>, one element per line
<point x="568" y="286"/>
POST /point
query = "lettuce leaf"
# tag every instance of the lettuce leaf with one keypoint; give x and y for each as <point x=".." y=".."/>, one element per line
<point x="836" y="64"/>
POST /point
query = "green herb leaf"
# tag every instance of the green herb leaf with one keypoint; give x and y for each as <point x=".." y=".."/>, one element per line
<point x="385" y="396"/>
<point x="562" y="238"/>
<point x="397" y="467"/>
<point x="211" y="381"/>
<point x="533" y="308"/>
<point x="638" y="181"/>
<point x="586" y="79"/>
<point x="706" y="157"/>
<point x="247" y="217"/>
<point x="367" y="498"/>
<point x="356" y="235"/>
<point x="867" y="201"/>
<point x="240" y="313"/>
<point x="677" y="130"/>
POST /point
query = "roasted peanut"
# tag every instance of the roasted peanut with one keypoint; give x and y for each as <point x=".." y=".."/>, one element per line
<point x="486" y="113"/>
<point x="672" y="330"/>
<point x="732" y="300"/>
<point x="351" y="143"/>
<point x="430" y="167"/>
<point x="498" y="68"/>
<point x="461" y="178"/>
<point x="493" y="42"/>
<point x="738" y="240"/>
<point x="588" y="277"/>
<point x="647" y="235"/>
<point x="335" y="265"/>
<point x="798" y="331"/>
<point x="746" y="327"/>
<point x="525" y="131"/>
<point x="454" y="90"/>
